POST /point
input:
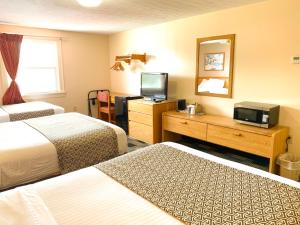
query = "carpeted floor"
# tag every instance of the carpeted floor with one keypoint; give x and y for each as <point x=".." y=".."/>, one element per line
<point x="220" y="151"/>
<point x="135" y="144"/>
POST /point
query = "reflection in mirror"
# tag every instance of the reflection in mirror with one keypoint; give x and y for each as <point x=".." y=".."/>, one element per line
<point x="215" y="66"/>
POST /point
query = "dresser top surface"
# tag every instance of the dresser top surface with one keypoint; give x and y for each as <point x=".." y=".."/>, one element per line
<point x="225" y="122"/>
<point x="142" y="101"/>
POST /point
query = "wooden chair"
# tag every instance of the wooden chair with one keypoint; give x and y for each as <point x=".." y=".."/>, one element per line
<point x="104" y="105"/>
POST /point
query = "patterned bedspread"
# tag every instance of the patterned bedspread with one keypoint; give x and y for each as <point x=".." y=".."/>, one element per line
<point x="200" y="191"/>
<point x="80" y="141"/>
<point x="28" y="115"/>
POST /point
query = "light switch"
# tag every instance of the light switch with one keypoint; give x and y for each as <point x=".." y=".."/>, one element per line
<point x="296" y="59"/>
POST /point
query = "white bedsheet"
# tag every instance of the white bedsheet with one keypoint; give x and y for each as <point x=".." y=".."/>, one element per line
<point x="89" y="197"/>
<point x="27" y="107"/>
<point x="4" y="117"/>
<point x="26" y="155"/>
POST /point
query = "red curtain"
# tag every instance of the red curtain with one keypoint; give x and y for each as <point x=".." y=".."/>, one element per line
<point x="10" y="45"/>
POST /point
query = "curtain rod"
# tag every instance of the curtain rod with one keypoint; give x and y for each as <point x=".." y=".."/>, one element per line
<point x="34" y="36"/>
<point x="39" y="36"/>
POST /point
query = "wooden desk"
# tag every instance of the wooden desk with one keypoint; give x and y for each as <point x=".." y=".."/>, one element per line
<point x="268" y="143"/>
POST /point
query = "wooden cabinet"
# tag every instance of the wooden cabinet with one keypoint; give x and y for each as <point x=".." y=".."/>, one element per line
<point x="242" y="140"/>
<point x="145" y="119"/>
<point x="189" y="128"/>
<point x="224" y="131"/>
<point x="141" y="132"/>
<point x="141" y="117"/>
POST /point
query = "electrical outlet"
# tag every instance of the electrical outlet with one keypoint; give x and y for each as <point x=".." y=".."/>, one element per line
<point x="290" y="140"/>
<point x="75" y="108"/>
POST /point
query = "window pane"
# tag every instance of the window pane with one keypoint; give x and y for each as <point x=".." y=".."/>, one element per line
<point x="38" y="53"/>
<point x="37" y="80"/>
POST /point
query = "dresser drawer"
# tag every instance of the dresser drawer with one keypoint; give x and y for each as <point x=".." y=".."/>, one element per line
<point x="241" y="140"/>
<point x="140" y="118"/>
<point x="185" y="127"/>
<point x="141" y="132"/>
<point x="141" y="108"/>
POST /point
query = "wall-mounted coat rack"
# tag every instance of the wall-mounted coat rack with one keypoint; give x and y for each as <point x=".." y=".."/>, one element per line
<point x="127" y="59"/>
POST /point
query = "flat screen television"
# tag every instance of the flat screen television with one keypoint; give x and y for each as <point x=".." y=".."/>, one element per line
<point x="154" y="86"/>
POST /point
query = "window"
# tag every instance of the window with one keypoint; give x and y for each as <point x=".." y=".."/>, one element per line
<point x="40" y="69"/>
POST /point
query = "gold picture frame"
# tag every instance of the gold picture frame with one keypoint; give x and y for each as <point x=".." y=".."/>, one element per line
<point x="206" y="78"/>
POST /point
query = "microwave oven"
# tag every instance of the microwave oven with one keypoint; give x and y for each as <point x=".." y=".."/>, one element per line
<point x="256" y="114"/>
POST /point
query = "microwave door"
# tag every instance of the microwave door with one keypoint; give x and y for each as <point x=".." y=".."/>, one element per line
<point x="248" y="115"/>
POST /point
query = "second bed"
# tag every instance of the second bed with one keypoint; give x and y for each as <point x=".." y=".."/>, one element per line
<point x="42" y="147"/>
<point x="28" y="110"/>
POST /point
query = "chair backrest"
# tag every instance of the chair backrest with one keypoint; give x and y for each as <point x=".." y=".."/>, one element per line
<point x="103" y="96"/>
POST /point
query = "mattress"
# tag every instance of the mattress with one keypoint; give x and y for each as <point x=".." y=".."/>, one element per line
<point x="89" y="197"/>
<point x="27" y="107"/>
<point x="26" y="155"/>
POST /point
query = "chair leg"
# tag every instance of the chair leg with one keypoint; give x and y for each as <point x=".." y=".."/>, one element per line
<point x="99" y="114"/>
<point x="113" y="120"/>
<point x="109" y="117"/>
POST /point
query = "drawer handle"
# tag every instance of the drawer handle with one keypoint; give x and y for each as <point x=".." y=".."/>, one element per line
<point x="237" y="134"/>
<point x="183" y="122"/>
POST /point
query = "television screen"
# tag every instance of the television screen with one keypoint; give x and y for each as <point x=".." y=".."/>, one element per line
<point x="154" y="85"/>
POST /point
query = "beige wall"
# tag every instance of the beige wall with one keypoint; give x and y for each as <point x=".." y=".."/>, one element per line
<point x="85" y="64"/>
<point x="267" y="36"/>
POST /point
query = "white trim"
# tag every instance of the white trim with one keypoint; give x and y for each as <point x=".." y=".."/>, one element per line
<point x="60" y="65"/>
<point x="42" y="37"/>
<point x="44" y="95"/>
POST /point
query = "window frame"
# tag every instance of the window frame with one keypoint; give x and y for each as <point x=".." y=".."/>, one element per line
<point x="38" y="95"/>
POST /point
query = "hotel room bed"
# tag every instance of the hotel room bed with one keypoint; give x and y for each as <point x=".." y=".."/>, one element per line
<point x="27" y="154"/>
<point x="90" y="197"/>
<point x="28" y="110"/>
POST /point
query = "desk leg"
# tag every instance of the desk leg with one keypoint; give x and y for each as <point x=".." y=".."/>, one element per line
<point x="279" y="147"/>
<point x="273" y="168"/>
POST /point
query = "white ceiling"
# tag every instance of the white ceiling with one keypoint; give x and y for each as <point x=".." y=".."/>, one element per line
<point x="112" y="16"/>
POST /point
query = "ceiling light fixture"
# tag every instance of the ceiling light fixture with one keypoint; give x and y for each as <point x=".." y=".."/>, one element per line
<point x="89" y="3"/>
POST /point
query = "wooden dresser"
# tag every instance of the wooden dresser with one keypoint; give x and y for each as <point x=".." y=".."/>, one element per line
<point x="225" y="131"/>
<point x="145" y="119"/>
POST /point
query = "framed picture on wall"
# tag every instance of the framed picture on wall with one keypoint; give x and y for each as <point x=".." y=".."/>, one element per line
<point x="214" y="61"/>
